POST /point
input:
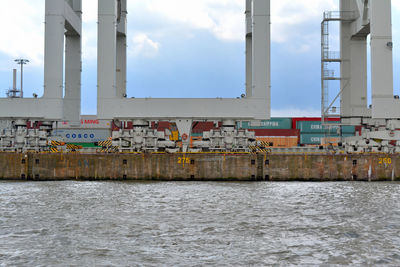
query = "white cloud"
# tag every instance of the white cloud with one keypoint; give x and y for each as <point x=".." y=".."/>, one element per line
<point x="22" y="34"/>
<point x="289" y="17"/>
<point x="89" y="8"/>
<point x="143" y="46"/>
<point x="295" y="23"/>
<point x="396" y="4"/>
<point x="224" y="18"/>
<point x="22" y="30"/>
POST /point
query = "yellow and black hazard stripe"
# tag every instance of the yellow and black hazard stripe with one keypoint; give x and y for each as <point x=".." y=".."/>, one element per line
<point x="109" y="149"/>
<point x="73" y="147"/>
<point x="264" y="144"/>
<point x="264" y="150"/>
<point x="54" y="150"/>
<point x="106" y="143"/>
<point x="56" y="143"/>
<point x="260" y="149"/>
<point x="253" y="149"/>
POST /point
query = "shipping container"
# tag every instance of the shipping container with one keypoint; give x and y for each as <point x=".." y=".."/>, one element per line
<point x="203" y="126"/>
<point x="348" y="134"/>
<point x="162" y="125"/>
<point x="87" y="122"/>
<point x="275" y="133"/>
<point x="321" y="138"/>
<point x="284" y="141"/>
<point x="317" y="127"/>
<point x="346" y="129"/>
<point x="273" y="123"/>
<point x="297" y="119"/>
<point x="331" y="140"/>
<point x="82" y="135"/>
<point x="313" y="138"/>
<point x="197" y="127"/>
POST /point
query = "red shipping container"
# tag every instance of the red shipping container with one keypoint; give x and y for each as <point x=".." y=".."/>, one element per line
<point x="33" y="125"/>
<point x="114" y="127"/>
<point x="202" y="126"/>
<point x="275" y="132"/>
<point x="162" y="125"/>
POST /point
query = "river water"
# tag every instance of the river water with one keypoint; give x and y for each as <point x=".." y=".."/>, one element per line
<point x="198" y="224"/>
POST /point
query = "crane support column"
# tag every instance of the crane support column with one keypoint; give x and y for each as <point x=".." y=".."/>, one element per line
<point x="54" y="49"/>
<point x="73" y="70"/>
<point x="107" y="47"/>
<point x="121" y="49"/>
<point x="261" y="47"/>
<point x="383" y="103"/>
<point x="353" y="65"/>
<point x="249" y="50"/>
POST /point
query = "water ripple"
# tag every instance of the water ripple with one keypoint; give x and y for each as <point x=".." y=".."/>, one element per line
<point x="197" y="224"/>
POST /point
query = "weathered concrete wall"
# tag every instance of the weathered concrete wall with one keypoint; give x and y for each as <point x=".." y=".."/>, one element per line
<point x="374" y="167"/>
<point x="11" y="167"/>
<point x="218" y="167"/>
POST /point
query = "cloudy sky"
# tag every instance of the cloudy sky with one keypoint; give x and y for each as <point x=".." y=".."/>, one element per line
<point x="187" y="48"/>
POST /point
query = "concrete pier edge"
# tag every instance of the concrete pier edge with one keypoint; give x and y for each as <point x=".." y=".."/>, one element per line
<point x="199" y="167"/>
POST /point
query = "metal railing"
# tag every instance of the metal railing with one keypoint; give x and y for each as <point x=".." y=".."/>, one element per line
<point x="330" y="107"/>
<point x="328" y="74"/>
<point x="331" y="55"/>
<point x="340" y="15"/>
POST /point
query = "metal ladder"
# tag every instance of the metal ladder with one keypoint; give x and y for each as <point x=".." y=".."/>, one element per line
<point x="327" y="56"/>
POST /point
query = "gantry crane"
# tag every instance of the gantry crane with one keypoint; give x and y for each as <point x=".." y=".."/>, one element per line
<point x="64" y="20"/>
<point x="358" y="20"/>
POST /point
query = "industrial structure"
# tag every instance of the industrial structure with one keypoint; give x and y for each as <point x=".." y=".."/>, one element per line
<point x="112" y="78"/>
<point x="359" y="19"/>
<point x="62" y="95"/>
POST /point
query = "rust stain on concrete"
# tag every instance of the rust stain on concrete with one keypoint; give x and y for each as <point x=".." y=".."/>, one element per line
<point x="199" y="167"/>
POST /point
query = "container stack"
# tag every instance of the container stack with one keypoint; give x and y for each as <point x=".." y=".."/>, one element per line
<point x="314" y="133"/>
<point x="88" y="134"/>
<point x="276" y="132"/>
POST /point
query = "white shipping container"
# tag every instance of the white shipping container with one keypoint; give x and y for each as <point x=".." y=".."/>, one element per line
<point x="82" y="135"/>
<point x="87" y="122"/>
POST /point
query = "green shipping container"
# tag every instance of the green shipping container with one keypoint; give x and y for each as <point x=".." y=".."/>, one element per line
<point x="316" y="138"/>
<point x="348" y="130"/>
<point x="317" y="127"/>
<point x="273" y="123"/>
<point x="313" y="138"/>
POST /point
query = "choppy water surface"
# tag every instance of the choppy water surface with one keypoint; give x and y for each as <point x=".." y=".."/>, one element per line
<point x="189" y="224"/>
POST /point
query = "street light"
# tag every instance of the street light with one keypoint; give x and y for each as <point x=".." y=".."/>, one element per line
<point x="22" y="62"/>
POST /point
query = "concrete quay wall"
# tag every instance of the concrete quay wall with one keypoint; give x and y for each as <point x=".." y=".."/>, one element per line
<point x="200" y="167"/>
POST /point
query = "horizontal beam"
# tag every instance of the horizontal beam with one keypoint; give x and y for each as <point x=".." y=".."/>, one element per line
<point x="197" y="108"/>
<point x="47" y="109"/>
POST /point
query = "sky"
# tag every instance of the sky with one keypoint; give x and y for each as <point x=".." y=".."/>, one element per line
<point x="187" y="48"/>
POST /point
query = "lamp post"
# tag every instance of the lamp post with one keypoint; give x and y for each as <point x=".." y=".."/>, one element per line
<point x="22" y="62"/>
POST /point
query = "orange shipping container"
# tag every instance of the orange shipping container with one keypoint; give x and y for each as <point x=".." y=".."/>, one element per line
<point x="284" y="141"/>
